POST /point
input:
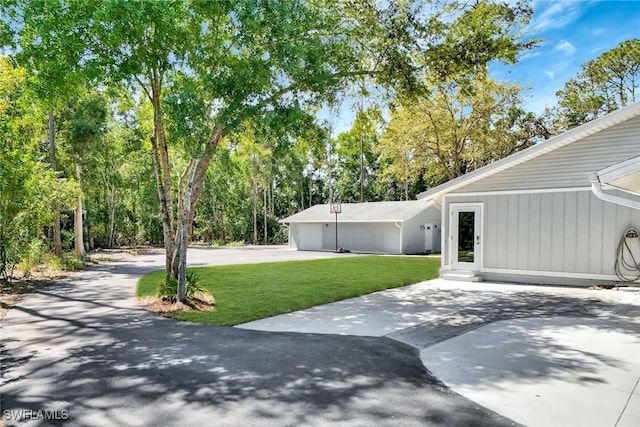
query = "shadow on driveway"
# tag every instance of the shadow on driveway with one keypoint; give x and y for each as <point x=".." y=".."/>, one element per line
<point x="86" y="347"/>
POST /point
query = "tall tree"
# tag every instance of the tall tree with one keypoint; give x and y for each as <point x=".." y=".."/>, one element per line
<point x="29" y="190"/>
<point x="47" y="60"/>
<point x="357" y="163"/>
<point x="84" y="127"/>
<point x="249" y="58"/>
<point x="462" y="124"/>
<point x="604" y="84"/>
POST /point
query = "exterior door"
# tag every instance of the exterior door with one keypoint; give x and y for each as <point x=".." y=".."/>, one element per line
<point x="466" y="237"/>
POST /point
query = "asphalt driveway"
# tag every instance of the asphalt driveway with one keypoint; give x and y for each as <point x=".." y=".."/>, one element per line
<point x="84" y="351"/>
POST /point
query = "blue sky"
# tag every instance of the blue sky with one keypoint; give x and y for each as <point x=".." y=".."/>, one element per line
<point x="571" y="32"/>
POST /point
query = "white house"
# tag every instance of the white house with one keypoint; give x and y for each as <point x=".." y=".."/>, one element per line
<point x="377" y="227"/>
<point x="555" y="213"/>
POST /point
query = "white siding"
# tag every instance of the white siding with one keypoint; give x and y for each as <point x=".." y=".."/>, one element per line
<point x="568" y="232"/>
<point x="364" y="237"/>
<point x="413" y="234"/>
<point x="567" y="167"/>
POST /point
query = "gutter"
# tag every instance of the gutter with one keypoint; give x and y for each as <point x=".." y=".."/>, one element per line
<point x="596" y="189"/>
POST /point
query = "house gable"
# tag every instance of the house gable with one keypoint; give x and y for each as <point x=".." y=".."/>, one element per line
<point x="561" y="162"/>
<point x="568" y="166"/>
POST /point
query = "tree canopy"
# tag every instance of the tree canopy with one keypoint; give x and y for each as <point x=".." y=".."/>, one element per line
<point x="604" y="84"/>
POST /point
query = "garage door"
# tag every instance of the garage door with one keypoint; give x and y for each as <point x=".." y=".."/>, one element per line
<point x="310" y="237"/>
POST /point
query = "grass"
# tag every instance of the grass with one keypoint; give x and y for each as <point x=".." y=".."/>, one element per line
<point x="249" y="292"/>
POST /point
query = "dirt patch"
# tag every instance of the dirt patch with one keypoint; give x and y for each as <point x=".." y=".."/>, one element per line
<point x="168" y="309"/>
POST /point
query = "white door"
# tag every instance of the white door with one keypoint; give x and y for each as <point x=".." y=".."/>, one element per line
<point x="465" y="236"/>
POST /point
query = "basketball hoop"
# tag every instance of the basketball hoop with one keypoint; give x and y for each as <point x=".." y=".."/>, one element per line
<point x="335" y="208"/>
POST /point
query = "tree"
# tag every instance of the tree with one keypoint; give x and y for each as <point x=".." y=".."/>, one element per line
<point x="462" y="124"/>
<point x="248" y="59"/>
<point x="255" y="155"/>
<point x="398" y="153"/>
<point x="47" y="60"/>
<point x="29" y="190"/>
<point x="84" y="127"/>
<point x="357" y="163"/>
<point x="604" y="84"/>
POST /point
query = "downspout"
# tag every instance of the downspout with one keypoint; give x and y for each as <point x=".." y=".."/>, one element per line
<point x="596" y="189"/>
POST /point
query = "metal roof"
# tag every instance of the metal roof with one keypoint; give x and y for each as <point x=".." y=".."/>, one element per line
<point x="552" y="144"/>
<point x="362" y="212"/>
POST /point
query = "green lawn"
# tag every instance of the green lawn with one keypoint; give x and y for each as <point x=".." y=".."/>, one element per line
<point x="248" y="292"/>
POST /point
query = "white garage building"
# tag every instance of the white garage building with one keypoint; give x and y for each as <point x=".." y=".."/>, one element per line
<point x="411" y="227"/>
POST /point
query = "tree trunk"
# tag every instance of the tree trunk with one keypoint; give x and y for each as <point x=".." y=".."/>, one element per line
<point x="254" y="196"/>
<point x="361" y="168"/>
<point x="135" y="223"/>
<point x="190" y="188"/>
<point x="112" y="218"/>
<point x="57" y="235"/>
<point x="272" y="202"/>
<point x="163" y="177"/>
<point x="77" y="219"/>
<point x="110" y="190"/>
<point x="266" y="231"/>
<point x="302" y="191"/>
<point x="406" y="189"/>
<point x="184" y="215"/>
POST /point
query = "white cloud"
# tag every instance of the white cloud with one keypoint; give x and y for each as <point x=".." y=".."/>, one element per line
<point x="566" y="48"/>
<point x="598" y="31"/>
<point x="550" y="74"/>
<point x="552" y="15"/>
<point x="529" y="55"/>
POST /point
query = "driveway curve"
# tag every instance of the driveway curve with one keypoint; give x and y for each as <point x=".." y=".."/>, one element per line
<point x="542" y="356"/>
<point x="82" y="352"/>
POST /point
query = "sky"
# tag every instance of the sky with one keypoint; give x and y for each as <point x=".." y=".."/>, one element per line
<point x="571" y="32"/>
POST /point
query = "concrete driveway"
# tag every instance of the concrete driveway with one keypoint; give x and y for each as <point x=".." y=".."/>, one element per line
<point x="85" y="352"/>
<point x="542" y="356"/>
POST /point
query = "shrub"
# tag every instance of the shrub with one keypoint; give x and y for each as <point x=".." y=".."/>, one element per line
<point x="224" y="244"/>
<point x="71" y="261"/>
<point x="35" y="254"/>
<point x="168" y="289"/>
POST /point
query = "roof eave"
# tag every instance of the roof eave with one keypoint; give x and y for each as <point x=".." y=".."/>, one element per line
<point x="324" y="221"/>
